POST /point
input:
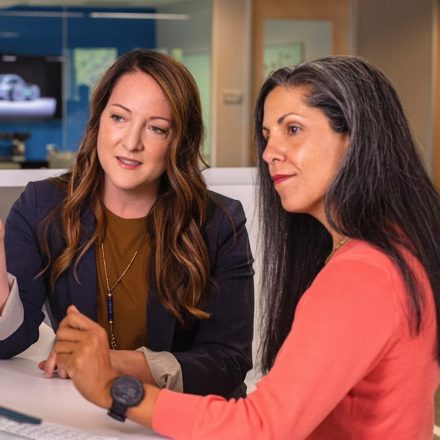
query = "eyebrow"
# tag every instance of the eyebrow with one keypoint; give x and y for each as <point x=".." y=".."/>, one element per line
<point x="282" y="117"/>
<point x="150" y="118"/>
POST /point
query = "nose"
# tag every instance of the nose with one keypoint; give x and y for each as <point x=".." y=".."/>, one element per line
<point x="133" y="138"/>
<point x="273" y="151"/>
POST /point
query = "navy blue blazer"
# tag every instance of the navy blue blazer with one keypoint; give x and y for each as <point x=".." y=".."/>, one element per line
<point x="214" y="354"/>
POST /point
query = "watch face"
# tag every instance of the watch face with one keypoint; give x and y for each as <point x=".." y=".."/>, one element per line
<point x="127" y="390"/>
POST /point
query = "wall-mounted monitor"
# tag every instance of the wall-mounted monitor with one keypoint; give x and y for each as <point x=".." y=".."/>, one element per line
<point x="30" y="87"/>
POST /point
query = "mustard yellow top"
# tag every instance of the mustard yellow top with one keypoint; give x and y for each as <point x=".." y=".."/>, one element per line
<point x="130" y="296"/>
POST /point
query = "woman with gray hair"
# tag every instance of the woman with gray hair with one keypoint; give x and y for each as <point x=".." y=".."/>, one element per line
<point x="350" y="223"/>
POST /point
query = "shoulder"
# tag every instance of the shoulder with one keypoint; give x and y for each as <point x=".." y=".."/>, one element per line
<point x="359" y="262"/>
<point x="221" y="206"/>
<point x="39" y="196"/>
<point x="359" y="278"/>
<point x="225" y="223"/>
<point x="357" y="252"/>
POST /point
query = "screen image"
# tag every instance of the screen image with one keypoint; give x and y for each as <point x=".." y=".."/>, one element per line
<point x="30" y="87"/>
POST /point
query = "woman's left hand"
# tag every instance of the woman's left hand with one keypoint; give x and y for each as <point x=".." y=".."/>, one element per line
<point x="82" y="350"/>
<point x="49" y="366"/>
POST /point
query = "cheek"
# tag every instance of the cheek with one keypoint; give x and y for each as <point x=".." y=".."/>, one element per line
<point x="160" y="153"/>
<point x="99" y="146"/>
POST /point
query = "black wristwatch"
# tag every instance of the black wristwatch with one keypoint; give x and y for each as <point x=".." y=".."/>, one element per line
<point x="126" y="392"/>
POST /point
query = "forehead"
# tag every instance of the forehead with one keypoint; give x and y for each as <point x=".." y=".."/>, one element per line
<point x="139" y="91"/>
<point x="288" y="100"/>
<point x="136" y="80"/>
<point x="285" y="96"/>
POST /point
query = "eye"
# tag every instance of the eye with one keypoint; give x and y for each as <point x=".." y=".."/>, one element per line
<point x="293" y="129"/>
<point x="157" y="131"/>
<point x="116" y="118"/>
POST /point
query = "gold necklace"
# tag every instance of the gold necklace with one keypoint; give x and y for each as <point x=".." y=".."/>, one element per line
<point x="110" y="312"/>
<point x="339" y="245"/>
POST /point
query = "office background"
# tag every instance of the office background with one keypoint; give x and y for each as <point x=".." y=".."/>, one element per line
<point x="229" y="45"/>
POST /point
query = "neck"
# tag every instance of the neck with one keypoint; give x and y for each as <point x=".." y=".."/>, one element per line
<point x="337" y="240"/>
<point x="342" y="239"/>
<point x="129" y="204"/>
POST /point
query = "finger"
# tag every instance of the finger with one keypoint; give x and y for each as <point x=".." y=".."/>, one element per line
<point x="62" y="373"/>
<point x="75" y="319"/>
<point x="64" y="360"/>
<point x="72" y="309"/>
<point x="66" y="347"/>
<point x="69" y="334"/>
<point x="50" y="364"/>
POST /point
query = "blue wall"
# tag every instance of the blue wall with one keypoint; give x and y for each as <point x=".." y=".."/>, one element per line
<point x="44" y="36"/>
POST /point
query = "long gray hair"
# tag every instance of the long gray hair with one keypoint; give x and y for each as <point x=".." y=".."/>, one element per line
<point x="381" y="193"/>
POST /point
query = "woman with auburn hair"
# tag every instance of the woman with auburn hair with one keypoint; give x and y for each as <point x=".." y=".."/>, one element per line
<point x="351" y="268"/>
<point x="133" y="238"/>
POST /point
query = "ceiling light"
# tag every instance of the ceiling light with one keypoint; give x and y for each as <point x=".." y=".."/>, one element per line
<point x="139" y="16"/>
<point x="41" y="14"/>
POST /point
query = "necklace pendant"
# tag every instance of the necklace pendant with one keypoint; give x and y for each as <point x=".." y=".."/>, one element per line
<point x="339" y="245"/>
<point x="113" y="343"/>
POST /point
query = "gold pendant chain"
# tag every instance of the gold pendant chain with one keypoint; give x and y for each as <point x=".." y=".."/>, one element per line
<point x="339" y="245"/>
<point x="110" y="311"/>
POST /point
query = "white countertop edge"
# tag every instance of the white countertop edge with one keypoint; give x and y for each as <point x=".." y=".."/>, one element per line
<point x="213" y="176"/>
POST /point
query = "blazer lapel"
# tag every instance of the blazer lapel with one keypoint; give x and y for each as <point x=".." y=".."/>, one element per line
<point x="84" y="294"/>
<point x="160" y="322"/>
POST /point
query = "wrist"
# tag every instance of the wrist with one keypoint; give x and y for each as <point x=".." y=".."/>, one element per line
<point x="4" y="295"/>
<point x="105" y="400"/>
<point x="126" y="392"/>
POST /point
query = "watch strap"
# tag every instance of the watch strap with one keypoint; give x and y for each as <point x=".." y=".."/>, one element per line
<point x="118" y="411"/>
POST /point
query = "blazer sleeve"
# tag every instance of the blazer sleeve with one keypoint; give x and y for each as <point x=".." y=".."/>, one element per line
<point x="221" y="351"/>
<point x="24" y="261"/>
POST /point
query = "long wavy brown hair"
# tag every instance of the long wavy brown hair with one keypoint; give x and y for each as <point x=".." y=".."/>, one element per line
<point x="176" y="220"/>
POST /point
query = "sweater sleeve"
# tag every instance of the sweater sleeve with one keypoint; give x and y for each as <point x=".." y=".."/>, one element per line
<point x="344" y="324"/>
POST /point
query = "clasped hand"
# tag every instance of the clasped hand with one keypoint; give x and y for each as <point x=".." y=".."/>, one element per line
<point x="82" y="353"/>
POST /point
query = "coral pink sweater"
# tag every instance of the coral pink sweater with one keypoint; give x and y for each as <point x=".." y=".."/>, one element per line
<point x="349" y="369"/>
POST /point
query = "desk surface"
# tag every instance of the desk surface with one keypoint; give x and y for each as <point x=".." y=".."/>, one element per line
<point x="24" y="388"/>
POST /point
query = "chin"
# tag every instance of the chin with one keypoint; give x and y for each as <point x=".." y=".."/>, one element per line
<point x="289" y="208"/>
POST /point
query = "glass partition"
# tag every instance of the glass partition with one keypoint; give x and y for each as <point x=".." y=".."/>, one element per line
<point x="84" y="41"/>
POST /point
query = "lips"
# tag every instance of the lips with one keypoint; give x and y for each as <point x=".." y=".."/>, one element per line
<point x="279" y="178"/>
<point x="128" y="162"/>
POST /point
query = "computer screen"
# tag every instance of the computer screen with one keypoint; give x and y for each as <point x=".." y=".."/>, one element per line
<point x="30" y="87"/>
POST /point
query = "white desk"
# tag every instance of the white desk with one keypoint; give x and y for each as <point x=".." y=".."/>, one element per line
<point x="24" y="388"/>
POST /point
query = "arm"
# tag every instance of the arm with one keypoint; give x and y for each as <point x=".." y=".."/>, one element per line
<point x="318" y="364"/>
<point x="11" y="308"/>
<point x="345" y="325"/>
<point x="220" y="353"/>
<point x="4" y="284"/>
<point x="24" y="261"/>
<point x="132" y="363"/>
